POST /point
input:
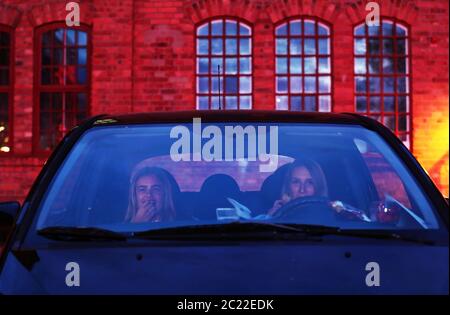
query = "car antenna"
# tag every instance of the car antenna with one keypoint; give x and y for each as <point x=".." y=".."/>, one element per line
<point x="218" y="74"/>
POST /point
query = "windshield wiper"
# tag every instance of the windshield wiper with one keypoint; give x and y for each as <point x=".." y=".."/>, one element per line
<point x="65" y="233"/>
<point x="234" y="229"/>
<point x="248" y="229"/>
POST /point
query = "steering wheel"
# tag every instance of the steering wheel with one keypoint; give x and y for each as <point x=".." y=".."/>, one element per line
<point x="309" y="209"/>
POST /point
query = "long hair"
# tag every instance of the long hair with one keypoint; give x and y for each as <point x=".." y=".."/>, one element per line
<point x="318" y="178"/>
<point x="168" y="208"/>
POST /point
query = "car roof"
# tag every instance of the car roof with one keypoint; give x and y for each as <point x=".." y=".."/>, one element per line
<point x="230" y="116"/>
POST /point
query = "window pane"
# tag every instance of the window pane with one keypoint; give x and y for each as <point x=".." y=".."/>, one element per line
<point x="373" y="30"/>
<point x="245" y="84"/>
<point x="70" y="37"/>
<point x="388" y="65"/>
<point x="296" y="85"/>
<point x="244" y="30"/>
<point x="360" y="83"/>
<point x="403" y="123"/>
<point x="215" y="84"/>
<point x="401" y="46"/>
<point x="203" y="30"/>
<point x="310" y="65"/>
<point x="231" y="46"/>
<point x="203" y="64"/>
<point x="360" y="30"/>
<point x="202" y="102"/>
<point x="281" y="30"/>
<point x="4" y="57"/>
<point x="245" y="46"/>
<point x="82" y="38"/>
<point x="360" y="46"/>
<point x="310" y="103"/>
<point x="296" y="65"/>
<point x="81" y="75"/>
<point x="324" y="103"/>
<point x="202" y="46"/>
<point x="388" y="46"/>
<point x="281" y="46"/>
<point x="360" y="65"/>
<point x="324" y="65"/>
<point x="389" y="104"/>
<point x="281" y="66"/>
<point x="388" y="28"/>
<point x="202" y="85"/>
<point x="216" y="65"/>
<point x="402" y="85"/>
<point x="58" y="57"/>
<point x="58" y="37"/>
<point x="82" y="56"/>
<point x="46" y="56"/>
<point x="388" y="85"/>
<point x="309" y="46"/>
<point x="402" y="65"/>
<point x="389" y="121"/>
<point x="361" y="104"/>
<point x="310" y="84"/>
<point x="217" y="28"/>
<point x="310" y="28"/>
<point x="374" y="84"/>
<point x="401" y="31"/>
<point x="324" y="47"/>
<point x="282" y="84"/>
<point x="324" y="84"/>
<point x="295" y="28"/>
<point x="231" y="28"/>
<point x="231" y="102"/>
<point x="323" y="30"/>
<point x="231" y="85"/>
<point x="217" y="46"/>
<point x="375" y="104"/>
<point x="403" y="104"/>
<point x="71" y="56"/>
<point x="46" y="77"/>
<point x="231" y="66"/>
<point x="245" y="102"/>
<point x="282" y="102"/>
<point x="245" y="66"/>
<point x="296" y="103"/>
<point x="374" y="65"/>
<point x="216" y="102"/>
<point x="296" y="46"/>
<point x="47" y="38"/>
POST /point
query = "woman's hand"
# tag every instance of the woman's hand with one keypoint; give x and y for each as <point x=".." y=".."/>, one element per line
<point x="278" y="204"/>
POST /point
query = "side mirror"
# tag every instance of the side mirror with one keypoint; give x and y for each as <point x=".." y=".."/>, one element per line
<point x="8" y="213"/>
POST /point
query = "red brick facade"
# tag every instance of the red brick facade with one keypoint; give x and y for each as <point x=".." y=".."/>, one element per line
<point x="143" y="59"/>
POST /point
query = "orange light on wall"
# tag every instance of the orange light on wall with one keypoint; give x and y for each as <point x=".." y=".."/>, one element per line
<point x="431" y="146"/>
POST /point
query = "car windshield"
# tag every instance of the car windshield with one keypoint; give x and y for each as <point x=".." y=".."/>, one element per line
<point x="130" y="178"/>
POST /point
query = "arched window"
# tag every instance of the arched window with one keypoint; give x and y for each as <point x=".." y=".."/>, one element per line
<point x="6" y="88"/>
<point x="382" y="75"/>
<point x="62" y="82"/>
<point x="224" y="64"/>
<point x="303" y="65"/>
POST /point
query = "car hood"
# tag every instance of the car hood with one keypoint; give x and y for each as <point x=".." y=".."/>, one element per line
<point x="233" y="267"/>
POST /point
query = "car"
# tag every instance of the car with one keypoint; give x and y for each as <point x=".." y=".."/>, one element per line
<point x="228" y="202"/>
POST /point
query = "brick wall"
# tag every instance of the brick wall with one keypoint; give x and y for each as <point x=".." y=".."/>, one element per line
<point x="143" y="60"/>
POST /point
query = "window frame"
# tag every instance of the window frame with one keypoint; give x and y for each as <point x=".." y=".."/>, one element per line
<point x="38" y="87"/>
<point x="9" y="89"/>
<point x="316" y="38"/>
<point x="395" y="75"/>
<point x="209" y="56"/>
